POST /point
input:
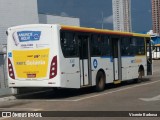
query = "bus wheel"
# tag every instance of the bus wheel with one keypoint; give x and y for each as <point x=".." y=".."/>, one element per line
<point x="100" y="81"/>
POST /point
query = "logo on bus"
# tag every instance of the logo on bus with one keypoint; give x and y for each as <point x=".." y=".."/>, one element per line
<point x="95" y="63"/>
<point x="136" y="61"/>
<point x="9" y="54"/>
<point x="25" y="36"/>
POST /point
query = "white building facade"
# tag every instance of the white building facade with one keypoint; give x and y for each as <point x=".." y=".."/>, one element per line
<point x="53" y="19"/>
<point x="20" y="12"/>
<point x="16" y="12"/>
<point x="12" y="13"/>
<point x="122" y="15"/>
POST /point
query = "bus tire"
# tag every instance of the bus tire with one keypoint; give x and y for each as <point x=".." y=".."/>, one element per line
<point x="100" y="81"/>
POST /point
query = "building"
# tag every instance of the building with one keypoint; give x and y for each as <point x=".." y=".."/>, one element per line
<point x="20" y="12"/>
<point x="122" y="15"/>
<point x="156" y="16"/>
<point x="53" y="19"/>
<point x="16" y="12"/>
<point x="12" y="13"/>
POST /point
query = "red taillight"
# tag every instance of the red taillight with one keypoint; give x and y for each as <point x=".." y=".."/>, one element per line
<point x="53" y="68"/>
<point x="10" y="69"/>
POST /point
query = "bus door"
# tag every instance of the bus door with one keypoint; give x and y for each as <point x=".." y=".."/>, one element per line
<point x="117" y="65"/>
<point x="149" y="57"/>
<point x="85" y="65"/>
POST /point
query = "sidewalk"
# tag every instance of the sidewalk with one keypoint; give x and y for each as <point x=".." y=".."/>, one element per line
<point x="22" y="93"/>
<point x="7" y="97"/>
<point x="6" y="94"/>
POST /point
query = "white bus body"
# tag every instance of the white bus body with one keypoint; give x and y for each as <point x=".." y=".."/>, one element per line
<point x="36" y="59"/>
<point x="31" y="50"/>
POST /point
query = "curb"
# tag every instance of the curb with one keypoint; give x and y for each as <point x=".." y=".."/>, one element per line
<point x="9" y="98"/>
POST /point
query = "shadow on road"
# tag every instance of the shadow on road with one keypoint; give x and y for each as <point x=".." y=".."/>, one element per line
<point x="68" y="93"/>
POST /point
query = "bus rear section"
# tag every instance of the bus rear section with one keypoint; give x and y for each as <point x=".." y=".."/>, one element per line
<point x="32" y="56"/>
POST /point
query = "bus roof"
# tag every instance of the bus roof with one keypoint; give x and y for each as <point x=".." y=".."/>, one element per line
<point x="157" y="45"/>
<point x="84" y="29"/>
<point x="103" y="31"/>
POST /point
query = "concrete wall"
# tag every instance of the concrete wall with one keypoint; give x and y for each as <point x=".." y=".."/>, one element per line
<point x="19" y="12"/>
<point x="12" y="13"/>
<point x="3" y="78"/>
<point x="16" y="12"/>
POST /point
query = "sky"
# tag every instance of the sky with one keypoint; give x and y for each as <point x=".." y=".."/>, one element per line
<point x="90" y="12"/>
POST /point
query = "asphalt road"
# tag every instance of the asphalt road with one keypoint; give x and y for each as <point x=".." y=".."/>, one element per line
<point x="144" y="96"/>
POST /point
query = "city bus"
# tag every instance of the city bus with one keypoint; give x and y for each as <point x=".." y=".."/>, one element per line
<point x="156" y="52"/>
<point x="59" y="56"/>
<point x="155" y="40"/>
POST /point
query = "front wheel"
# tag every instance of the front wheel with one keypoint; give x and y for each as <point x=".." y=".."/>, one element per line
<point x="100" y="81"/>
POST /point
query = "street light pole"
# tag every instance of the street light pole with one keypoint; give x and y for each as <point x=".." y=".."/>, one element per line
<point x="102" y="20"/>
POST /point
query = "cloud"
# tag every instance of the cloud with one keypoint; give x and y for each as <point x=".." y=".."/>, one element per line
<point x="108" y="19"/>
<point x="64" y="14"/>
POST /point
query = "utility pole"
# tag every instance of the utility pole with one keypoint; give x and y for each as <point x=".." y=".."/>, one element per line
<point x="102" y="20"/>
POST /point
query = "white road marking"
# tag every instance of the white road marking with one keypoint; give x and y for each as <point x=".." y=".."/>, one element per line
<point x="145" y="84"/>
<point x="38" y="110"/>
<point x="84" y="98"/>
<point x="93" y="96"/>
<point x="156" y="98"/>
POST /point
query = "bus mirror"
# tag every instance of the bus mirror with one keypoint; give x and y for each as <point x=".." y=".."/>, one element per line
<point x="7" y="33"/>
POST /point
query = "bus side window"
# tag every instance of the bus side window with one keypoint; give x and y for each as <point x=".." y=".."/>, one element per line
<point x="133" y="46"/>
<point x="100" y="45"/>
<point x="126" y="47"/>
<point x="105" y="46"/>
<point x="95" y="43"/>
<point x="140" y="46"/>
<point x="69" y="44"/>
